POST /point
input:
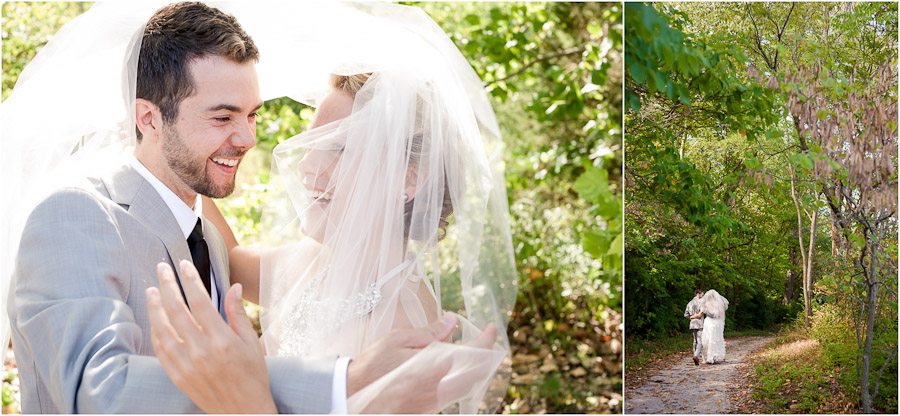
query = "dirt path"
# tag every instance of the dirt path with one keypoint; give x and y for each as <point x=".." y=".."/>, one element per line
<point x="676" y="386"/>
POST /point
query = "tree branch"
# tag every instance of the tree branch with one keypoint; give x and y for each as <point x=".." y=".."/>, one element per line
<point x="881" y="372"/>
<point x="565" y="52"/>
<point x="757" y="39"/>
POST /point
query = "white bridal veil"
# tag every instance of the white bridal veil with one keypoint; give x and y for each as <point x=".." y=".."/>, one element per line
<point x="714" y="305"/>
<point x="380" y="220"/>
<point x="393" y="214"/>
<point x="67" y="117"/>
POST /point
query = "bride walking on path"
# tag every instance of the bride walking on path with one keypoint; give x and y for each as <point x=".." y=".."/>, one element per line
<point x="714" y="306"/>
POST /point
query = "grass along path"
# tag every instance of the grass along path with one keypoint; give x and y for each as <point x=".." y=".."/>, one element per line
<point x="676" y="385"/>
<point x="801" y="374"/>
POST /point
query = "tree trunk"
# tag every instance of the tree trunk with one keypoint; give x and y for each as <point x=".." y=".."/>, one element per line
<point x="873" y="284"/>
<point x="807" y="271"/>
<point x="807" y="263"/>
<point x="871" y="301"/>
<point x="871" y="298"/>
<point x="795" y="267"/>
<point x="835" y="237"/>
<point x="788" y="288"/>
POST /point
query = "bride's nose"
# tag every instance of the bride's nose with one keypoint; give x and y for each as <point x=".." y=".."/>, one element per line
<point x="314" y="165"/>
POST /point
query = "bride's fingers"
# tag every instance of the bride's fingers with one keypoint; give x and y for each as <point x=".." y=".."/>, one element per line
<point x="198" y="298"/>
<point x="161" y="329"/>
<point x="437" y="331"/>
<point x="237" y="316"/>
<point x="167" y="345"/>
<point x="486" y="339"/>
<point x="172" y="303"/>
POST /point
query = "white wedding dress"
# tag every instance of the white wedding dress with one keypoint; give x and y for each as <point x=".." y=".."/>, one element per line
<point x="714" y="306"/>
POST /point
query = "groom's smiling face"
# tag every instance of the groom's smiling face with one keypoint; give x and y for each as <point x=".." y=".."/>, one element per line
<point x="215" y="127"/>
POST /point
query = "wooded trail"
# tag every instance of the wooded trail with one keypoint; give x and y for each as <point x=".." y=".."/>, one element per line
<point x="678" y="386"/>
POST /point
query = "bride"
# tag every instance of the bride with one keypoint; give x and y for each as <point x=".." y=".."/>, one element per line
<point x="713" y="306"/>
<point x="389" y="211"/>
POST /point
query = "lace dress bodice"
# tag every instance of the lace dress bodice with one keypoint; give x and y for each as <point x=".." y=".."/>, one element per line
<point x="312" y="320"/>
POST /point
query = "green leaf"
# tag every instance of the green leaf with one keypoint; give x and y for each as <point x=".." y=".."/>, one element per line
<point x="593" y="184"/>
<point x="595" y="243"/>
<point x="683" y="96"/>
<point x="638" y="73"/>
<point x="670" y="89"/>
<point x="659" y="80"/>
<point x="617" y="247"/>
<point x="802" y="160"/>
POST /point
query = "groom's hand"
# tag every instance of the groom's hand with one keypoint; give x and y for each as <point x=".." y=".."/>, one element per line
<point x="418" y="393"/>
<point x="218" y="367"/>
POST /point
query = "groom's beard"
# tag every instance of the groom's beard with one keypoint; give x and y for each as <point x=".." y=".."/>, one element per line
<point x="191" y="169"/>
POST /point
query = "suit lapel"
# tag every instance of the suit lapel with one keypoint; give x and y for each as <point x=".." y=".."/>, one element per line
<point x="129" y="189"/>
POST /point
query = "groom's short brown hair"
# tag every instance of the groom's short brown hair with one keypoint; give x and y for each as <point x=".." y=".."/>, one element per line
<point x="174" y="36"/>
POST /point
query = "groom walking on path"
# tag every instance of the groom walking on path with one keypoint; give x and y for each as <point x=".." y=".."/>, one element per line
<point x="692" y="312"/>
<point x="77" y="307"/>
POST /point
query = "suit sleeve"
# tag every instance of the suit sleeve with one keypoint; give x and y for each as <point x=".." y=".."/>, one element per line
<point x="687" y="310"/>
<point x="72" y="312"/>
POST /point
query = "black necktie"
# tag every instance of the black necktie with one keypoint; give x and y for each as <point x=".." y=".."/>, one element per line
<point x="200" y="254"/>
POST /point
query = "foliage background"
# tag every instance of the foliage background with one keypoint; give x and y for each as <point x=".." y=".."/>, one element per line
<point x="723" y="119"/>
<point x="553" y="73"/>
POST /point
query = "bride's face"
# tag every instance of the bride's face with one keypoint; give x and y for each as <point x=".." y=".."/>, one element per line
<point x="318" y="166"/>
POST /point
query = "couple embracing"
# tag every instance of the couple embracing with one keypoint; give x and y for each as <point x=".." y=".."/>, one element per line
<point x="387" y="274"/>
<point x="707" y="314"/>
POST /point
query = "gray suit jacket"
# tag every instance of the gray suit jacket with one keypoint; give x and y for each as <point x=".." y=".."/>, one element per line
<point x="78" y="312"/>
<point x="693" y="308"/>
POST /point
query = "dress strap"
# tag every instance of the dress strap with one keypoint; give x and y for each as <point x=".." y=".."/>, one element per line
<point x="414" y="268"/>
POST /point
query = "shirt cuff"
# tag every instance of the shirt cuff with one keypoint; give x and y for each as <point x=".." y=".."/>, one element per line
<point x="339" y="386"/>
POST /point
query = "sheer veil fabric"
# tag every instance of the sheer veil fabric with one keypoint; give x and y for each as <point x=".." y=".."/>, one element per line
<point x="69" y="116"/>
<point x="713" y="337"/>
<point x="378" y="221"/>
<point x="394" y="214"/>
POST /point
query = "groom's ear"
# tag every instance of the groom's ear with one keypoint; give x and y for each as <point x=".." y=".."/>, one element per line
<point x="147" y="118"/>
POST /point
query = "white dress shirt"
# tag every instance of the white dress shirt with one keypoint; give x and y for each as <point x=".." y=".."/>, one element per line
<point x="184" y="215"/>
<point x="187" y="219"/>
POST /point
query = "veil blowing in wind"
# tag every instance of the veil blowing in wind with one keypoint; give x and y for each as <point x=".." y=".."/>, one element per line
<point x="395" y="210"/>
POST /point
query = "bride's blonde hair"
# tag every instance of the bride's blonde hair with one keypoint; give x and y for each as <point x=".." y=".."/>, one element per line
<point x="351" y="84"/>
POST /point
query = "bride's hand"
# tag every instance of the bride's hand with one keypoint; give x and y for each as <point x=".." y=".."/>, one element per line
<point x="416" y="393"/>
<point x="218" y="367"/>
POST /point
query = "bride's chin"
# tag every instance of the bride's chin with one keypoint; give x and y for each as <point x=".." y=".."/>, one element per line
<point x="313" y="223"/>
<point x="316" y="233"/>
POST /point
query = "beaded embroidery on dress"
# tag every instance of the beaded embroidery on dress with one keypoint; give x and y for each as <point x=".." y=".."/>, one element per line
<point x="312" y="320"/>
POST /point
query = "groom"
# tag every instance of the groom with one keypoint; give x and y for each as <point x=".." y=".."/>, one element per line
<point x="692" y="312"/>
<point x="78" y="310"/>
